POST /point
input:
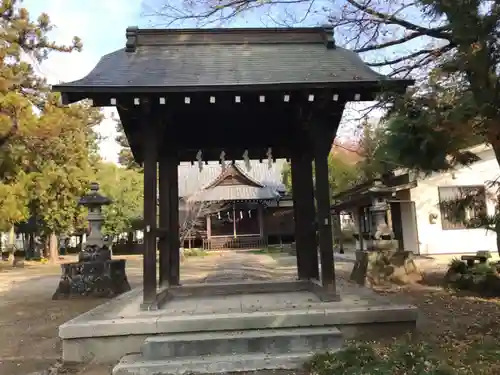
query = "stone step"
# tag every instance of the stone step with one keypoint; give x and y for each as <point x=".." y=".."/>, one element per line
<point x="271" y="341"/>
<point x="135" y="364"/>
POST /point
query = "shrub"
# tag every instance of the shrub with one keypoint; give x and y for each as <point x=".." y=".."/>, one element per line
<point x="363" y="359"/>
<point x="194" y="252"/>
<point x="457" y="266"/>
<point x="483" y="278"/>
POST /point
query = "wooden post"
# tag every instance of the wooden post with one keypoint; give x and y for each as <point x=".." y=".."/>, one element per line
<point x="173" y="229"/>
<point x="209" y="226"/>
<point x="150" y="190"/>
<point x="260" y="215"/>
<point x="234" y="221"/>
<point x="164" y="243"/>
<point x="361" y="224"/>
<point x="311" y="246"/>
<point x="303" y="208"/>
<point x="340" y="234"/>
<point x="299" y="228"/>
<point x="322" y="142"/>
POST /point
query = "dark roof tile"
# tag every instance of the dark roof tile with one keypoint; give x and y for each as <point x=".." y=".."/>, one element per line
<point x="226" y="62"/>
<point x="192" y="180"/>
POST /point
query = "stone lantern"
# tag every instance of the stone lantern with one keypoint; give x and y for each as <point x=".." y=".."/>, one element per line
<point x="94" y="202"/>
<point x="95" y="274"/>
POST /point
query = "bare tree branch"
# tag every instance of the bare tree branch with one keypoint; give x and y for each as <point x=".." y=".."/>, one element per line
<point x="409" y="37"/>
<point x="392" y="19"/>
<point x="192" y="216"/>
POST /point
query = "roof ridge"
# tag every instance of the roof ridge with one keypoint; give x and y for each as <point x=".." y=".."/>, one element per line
<point x="260" y="184"/>
<point x="225" y="172"/>
<point x="137" y="37"/>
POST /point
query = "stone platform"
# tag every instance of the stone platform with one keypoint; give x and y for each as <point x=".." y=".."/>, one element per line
<point x="92" y="279"/>
<point x="287" y="326"/>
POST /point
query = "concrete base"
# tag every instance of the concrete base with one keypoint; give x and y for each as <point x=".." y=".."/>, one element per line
<point x="229" y="351"/>
<point x="135" y="365"/>
<point x="119" y="327"/>
<point x="167" y="294"/>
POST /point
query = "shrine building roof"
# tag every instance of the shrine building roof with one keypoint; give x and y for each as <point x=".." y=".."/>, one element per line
<point x="178" y="60"/>
<point x="259" y="182"/>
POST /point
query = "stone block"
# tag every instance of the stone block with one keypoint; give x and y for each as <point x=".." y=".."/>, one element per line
<point x="136" y="365"/>
<point x="93" y="279"/>
<point x="383" y="267"/>
<point x="271" y="341"/>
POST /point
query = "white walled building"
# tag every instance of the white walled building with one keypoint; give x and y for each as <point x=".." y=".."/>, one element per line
<point x="437" y="234"/>
<point x="418" y="219"/>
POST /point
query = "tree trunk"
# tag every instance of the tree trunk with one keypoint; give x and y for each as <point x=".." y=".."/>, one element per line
<point x="53" y="250"/>
<point x="31" y="246"/>
<point x="11" y="246"/>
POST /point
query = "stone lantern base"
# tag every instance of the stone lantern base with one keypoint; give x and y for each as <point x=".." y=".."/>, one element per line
<point x="384" y="267"/>
<point x="92" y="279"/>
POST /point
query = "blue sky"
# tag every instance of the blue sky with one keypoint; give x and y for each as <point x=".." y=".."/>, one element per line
<point x="101" y="25"/>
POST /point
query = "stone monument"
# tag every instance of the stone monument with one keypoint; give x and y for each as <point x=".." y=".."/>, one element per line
<point x="383" y="262"/>
<point x="95" y="274"/>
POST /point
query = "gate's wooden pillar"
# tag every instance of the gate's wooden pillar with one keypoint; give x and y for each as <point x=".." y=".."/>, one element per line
<point x="298" y="219"/>
<point x="304" y="217"/>
<point x="209" y="226"/>
<point x="164" y="243"/>
<point x="323" y="138"/>
<point x="173" y="228"/>
<point x="150" y="148"/>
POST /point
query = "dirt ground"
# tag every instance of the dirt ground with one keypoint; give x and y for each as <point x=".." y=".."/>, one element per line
<point x="464" y="329"/>
<point x="29" y="318"/>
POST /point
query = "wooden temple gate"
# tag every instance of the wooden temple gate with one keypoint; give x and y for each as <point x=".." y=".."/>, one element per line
<point x="212" y="94"/>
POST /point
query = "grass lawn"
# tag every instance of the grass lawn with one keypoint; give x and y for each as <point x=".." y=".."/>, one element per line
<point x="195" y="252"/>
<point x="458" y="335"/>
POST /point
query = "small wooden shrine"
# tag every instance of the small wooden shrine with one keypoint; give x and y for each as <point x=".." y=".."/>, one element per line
<point x="231" y="94"/>
<point x="240" y="205"/>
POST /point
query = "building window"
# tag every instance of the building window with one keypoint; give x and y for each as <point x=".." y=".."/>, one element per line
<point x="461" y="205"/>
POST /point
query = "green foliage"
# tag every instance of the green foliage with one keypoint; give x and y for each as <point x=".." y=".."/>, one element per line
<point x="341" y="174"/>
<point x="457" y="105"/>
<point x="482" y="278"/>
<point x="60" y="170"/>
<point x="125" y="157"/>
<point x="194" y="253"/>
<point x="457" y="266"/>
<point x="44" y="155"/>
<point x="398" y="359"/>
<point x="425" y="133"/>
<point x="125" y="188"/>
<point x="373" y="164"/>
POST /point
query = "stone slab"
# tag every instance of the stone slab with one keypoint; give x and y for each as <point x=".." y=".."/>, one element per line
<point x="135" y="364"/>
<point x="243" y="287"/>
<point x="256" y="311"/>
<point x="119" y="327"/>
<point x="271" y="341"/>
